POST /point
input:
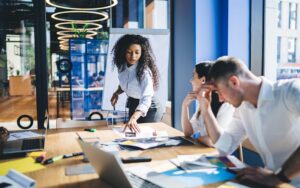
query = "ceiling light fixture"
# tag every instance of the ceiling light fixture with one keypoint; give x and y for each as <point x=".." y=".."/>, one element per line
<point x="64" y="24"/>
<point x="64" y="42"/>
<point x="65" y="48"/>
<point x="50" y="2"/>
<point x="67" y="37"/>
<point x="65" y="33"/>
<point x="104" y="16"/>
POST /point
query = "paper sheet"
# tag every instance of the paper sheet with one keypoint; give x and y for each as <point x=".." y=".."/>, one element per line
<point x="23" y="134"/>
<point x="23" y="165"/>
<point x="200" y="177"/>
<point x="146" y="132"/>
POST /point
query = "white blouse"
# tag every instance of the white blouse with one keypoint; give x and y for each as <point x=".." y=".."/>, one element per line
<point x="143" y="91"/>
<point x="224" y="117"/>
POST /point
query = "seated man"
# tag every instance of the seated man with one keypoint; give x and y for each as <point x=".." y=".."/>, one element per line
<point x="268" y="113"/>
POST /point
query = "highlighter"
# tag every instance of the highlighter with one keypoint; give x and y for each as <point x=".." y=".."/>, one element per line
<point x="90" y="130"/>
<point x="52" y="160"/>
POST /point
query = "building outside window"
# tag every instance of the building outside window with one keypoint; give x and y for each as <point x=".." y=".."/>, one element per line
<point x="279" y="14"/>
<point x="292" y="50"/>
<point x="282" y="39"/>
<point x="278" y="48"/>
<point x="293" y="15"/>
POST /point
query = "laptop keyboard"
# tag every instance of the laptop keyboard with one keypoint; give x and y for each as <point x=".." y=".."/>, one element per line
<point x="138" y="182"/>
<point x="32" y="144"/>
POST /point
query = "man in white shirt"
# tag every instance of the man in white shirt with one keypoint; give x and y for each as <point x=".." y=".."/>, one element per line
<point x="267" y="113"/>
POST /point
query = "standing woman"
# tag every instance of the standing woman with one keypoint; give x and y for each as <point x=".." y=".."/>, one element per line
<point x="138" y="78"/>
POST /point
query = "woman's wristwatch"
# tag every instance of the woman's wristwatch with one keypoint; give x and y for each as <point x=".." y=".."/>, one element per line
<point x="280" y="174"/>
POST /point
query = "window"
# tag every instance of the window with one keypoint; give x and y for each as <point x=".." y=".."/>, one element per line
<point x="150" y="14"/>
<point x="17" y="62"/>
<point x="293" y="15"/>
<point x="281" y="40"/>
<point x="278" y="49"/>
<point x="292" y="50"/>
<point x="279" y="14"/>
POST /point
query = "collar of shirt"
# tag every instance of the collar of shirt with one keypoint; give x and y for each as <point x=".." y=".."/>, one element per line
<point x="266" y="91"/>
<point x="132" y="67"/>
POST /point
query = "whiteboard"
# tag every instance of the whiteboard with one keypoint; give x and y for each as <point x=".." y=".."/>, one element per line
<point x="160" y="43"/>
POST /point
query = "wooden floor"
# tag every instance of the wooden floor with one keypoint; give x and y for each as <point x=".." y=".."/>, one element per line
<point x="12" y="107"/>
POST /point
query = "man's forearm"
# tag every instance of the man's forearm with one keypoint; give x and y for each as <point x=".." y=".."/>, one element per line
<point x="291" y="167"/>
<point x="211" y="125"/>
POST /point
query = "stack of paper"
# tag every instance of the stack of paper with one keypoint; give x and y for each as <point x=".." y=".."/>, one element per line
<point x="148" y="143"/>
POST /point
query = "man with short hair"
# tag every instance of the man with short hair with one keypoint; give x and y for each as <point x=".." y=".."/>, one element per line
<point x="268" y="113"/>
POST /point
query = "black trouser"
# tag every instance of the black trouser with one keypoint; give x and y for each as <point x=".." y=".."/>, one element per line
<point x="154" y="113"/>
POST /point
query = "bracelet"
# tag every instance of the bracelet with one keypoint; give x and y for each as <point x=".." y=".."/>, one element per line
<point x="282" y="176"/>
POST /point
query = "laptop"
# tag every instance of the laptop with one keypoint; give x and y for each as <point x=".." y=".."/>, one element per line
<point x="34" y="141"/>
<point x="110" y="170"/>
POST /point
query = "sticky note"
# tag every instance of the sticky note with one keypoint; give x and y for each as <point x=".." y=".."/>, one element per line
<point x="23" y="165"/>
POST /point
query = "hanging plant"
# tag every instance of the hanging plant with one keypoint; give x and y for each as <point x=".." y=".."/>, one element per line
<point x="80" y="33"/>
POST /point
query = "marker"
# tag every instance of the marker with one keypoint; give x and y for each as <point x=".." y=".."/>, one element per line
<point x="90" y="130"/>
<point x="57" y="158"/>
<point x="72" y="155"/>
<point x="52" y="160"/>
<point x="40" y="158"/>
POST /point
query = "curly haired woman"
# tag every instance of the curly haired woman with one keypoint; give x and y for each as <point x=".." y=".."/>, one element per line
<point x="138" y="78"/>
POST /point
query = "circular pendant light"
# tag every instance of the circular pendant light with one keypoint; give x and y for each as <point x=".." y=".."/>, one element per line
<point x="67" y="37"/>
<point x="63" y="25"/>
<point x="55" y="4"/>
<point x="88" y="33"/>
<point x="56" y="16"/>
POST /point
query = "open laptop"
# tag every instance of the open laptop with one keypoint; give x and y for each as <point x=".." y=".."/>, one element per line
<point x="110" y="170"/>
<point x="19" y="147"/>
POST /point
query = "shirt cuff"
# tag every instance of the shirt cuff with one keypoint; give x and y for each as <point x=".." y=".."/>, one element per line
<point x="224" y="143"/>
<point x="142" y="108"/>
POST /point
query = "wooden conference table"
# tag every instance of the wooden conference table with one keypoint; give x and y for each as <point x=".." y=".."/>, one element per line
<point x="63" y="141"/>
